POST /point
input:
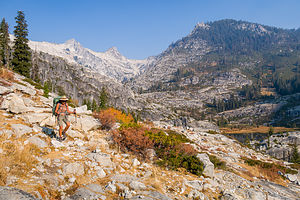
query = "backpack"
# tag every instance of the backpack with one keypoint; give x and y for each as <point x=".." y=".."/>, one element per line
<point x="55" y="102"/>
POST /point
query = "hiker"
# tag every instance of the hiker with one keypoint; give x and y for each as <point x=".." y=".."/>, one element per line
<point x="62" y="111"/>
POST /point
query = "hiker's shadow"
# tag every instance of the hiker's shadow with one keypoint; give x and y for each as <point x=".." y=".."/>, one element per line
<point x="49" y="131"/>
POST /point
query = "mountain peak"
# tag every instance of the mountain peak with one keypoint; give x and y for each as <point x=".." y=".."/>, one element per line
<point x="200" y="25"/>
<point x="114" y="52"/>
<point x="72" y="42"/>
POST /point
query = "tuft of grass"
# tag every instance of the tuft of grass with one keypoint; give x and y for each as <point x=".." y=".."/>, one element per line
<point x="18" y="160"/>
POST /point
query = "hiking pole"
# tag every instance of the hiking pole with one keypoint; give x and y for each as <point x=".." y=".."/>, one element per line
<point x="75" y="116"/>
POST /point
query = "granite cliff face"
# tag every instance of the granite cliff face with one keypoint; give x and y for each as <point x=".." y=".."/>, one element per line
<point x="79" y="82"/>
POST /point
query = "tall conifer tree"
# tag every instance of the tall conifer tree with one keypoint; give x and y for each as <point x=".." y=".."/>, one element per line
<point x="21" y="56"/>
<point x="4" y="44"/>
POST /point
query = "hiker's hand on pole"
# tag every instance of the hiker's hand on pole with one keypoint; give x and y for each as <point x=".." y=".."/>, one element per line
<point x="74" y="111"/>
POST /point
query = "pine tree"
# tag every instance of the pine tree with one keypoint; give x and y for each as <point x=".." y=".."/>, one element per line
<point x="21" y="56"/>
<point x="5" y="50"/>
<point x="94" y="105"/>
<point x="295" y="155"/>
<point x="103" y="98"/>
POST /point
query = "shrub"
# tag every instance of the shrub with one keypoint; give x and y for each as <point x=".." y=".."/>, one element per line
<point x="106" y="118"/>
<point x="120" y="116"/>
<point x="171" y="149"/>
<point x="217" y="162"/>
<point x="110" y="116"/>
<point x="134" y="140"/>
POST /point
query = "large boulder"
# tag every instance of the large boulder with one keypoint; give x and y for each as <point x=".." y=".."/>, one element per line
<point x="16" y="105"/>
<point x="124" y="178"/>
<point x="7" y="193"/>
<point x="34" y="117"/>
<point x="20" y="129"/>
<point x="5" y="90"/>
<point x="49" y="121"/>
<point x="103" y="159"/>
<point x="37" y="141"/>
<point x="57" y="144"/>
<point x="84" y="123"/>
<point x="83" y="110"/>
<point x="136" y="185"/>
<point x="85" y="194"/>
<point x="208" y="166"/>
<point x="25" y="89"/>
<point x="73" y="169"/>
<point x="89" y="123"/>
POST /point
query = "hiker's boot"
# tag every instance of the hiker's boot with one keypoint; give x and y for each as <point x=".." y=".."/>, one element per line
<point x="64" y="135"/>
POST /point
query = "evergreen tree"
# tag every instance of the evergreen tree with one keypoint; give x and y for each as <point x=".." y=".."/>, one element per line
<point x="89" y="105"/>
<point x="103" y="98"/>
<point x="94" y="105"/>
<point x="21" y="56"/>
<point x="295" y="155"/>
<point x="4" y="44"/>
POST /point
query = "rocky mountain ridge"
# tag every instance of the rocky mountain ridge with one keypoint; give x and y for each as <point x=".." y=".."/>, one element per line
<point x="110" y="63"/>
<point x="88" y="166"/>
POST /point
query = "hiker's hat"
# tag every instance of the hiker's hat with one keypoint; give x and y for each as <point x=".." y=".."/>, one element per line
<point x="64" y="98"/>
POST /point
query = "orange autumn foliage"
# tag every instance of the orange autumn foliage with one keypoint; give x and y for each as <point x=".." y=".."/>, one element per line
<point x="110" y="116"/>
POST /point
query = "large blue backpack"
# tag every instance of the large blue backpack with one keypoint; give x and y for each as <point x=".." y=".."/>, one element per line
<point x="55" y="102"/>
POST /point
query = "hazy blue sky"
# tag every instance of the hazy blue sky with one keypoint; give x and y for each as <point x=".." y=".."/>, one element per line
<point x="139" y="28"/>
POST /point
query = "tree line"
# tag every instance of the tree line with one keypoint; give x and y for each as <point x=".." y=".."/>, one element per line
<point x="18" y="57"/>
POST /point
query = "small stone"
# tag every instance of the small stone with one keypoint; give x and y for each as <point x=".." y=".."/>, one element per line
<point x="72" y="179"/>
<point x="101" y="173"/>
<point x="291" y="177"/>
<point x="57" y="144"/>
<point x="135" y="162"/>
<point x="136" y="185"/>
<point x="111" y="187"/>
<point x="79" y="143"/>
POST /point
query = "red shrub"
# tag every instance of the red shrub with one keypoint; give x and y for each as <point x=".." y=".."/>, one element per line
<point x="106" y="118"/>
<point x="134" y="140"/>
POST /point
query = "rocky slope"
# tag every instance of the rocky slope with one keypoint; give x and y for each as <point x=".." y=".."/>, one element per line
<point x="88" y="166"/>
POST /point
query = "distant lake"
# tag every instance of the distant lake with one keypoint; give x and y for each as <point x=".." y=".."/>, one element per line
<point x="242" y="137"/>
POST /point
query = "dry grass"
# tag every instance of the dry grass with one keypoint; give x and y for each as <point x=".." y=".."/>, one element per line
<point x="260" y="129"/>
<point x="16" y="160"/>
<point x="6" y="74"/>
<point x="262" y="173"/>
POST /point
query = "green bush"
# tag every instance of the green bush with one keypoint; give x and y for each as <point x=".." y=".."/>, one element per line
<point x="217" y="162"/>
<point x="174" y="152"/>
<point x="129" y="125"/>
<point x="172" y="149"/>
